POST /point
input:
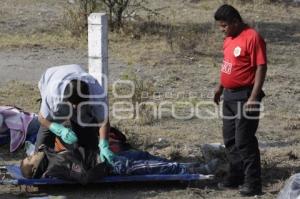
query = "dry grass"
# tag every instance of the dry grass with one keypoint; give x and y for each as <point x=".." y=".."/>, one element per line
<point x="48" y="40"/>
<point x="21" y="95"/>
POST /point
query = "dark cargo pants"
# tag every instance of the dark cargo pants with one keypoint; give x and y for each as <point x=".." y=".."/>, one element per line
<point x="239" y="128"/>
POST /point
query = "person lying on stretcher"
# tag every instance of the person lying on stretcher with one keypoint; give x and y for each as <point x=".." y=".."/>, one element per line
<point x="77" y="164"/>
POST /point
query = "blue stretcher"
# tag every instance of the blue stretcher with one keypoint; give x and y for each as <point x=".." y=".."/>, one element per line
<point x="17" y="178"/>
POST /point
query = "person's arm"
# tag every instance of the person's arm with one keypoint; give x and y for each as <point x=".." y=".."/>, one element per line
<point x="66" y="134"/>
<point x="43" y="121"/>
<point x="104" y="130"/>
<point x="105" y="152"/>
<point x="260" y="76"/>
<point x="217" y="94"/>
<point x="258" y="58"/>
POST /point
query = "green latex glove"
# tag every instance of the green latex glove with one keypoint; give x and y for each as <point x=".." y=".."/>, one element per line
<point x="66" y="134"/>
<point x="105" y="152"/>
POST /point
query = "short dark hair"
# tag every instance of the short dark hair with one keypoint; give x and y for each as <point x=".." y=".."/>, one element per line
<point x="76" y="91"/>
<point x="228" y="14"/>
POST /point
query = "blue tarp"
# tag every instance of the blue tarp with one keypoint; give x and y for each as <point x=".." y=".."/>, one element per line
<point x="18" y="179"/>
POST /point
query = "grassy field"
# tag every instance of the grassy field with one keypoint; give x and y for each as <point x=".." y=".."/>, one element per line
<point x="177" y="54"/>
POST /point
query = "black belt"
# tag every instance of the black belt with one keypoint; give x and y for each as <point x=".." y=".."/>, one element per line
<point x="239" y="88"/>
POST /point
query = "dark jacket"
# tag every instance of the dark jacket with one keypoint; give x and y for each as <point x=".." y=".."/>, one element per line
<point x="77" y="164"/>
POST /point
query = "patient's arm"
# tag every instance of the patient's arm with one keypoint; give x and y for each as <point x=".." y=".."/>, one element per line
<point x="44" y="122"/>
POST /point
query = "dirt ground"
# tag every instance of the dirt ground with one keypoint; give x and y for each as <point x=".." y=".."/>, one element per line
<point x="33" y="37"/>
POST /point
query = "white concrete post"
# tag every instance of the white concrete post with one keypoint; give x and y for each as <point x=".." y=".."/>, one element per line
<point x="97" y="47"/>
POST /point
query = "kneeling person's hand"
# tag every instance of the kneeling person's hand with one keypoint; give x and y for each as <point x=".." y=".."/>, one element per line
<point x="66" y="134"/>
<point x="105" y="152"/>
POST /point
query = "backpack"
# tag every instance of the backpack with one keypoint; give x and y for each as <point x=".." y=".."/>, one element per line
<point x="14" y="126"/>
<point x="118" y="141"/>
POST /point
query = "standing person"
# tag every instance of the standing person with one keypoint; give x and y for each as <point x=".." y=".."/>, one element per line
<point x="70" y="94"/>
<point x="242" y="76"/>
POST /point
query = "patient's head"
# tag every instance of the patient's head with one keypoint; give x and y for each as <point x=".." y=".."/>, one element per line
<point x="30" y="164"/>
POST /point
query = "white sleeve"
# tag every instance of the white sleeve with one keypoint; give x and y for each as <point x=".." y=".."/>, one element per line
<point x="45" y="109"/>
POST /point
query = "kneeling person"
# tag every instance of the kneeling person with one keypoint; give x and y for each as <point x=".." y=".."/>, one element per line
<point x="70" y="94"/>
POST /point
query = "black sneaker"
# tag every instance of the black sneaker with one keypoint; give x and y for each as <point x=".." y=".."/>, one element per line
<point x="231" y="182"/>
<point x="252" y="189"/>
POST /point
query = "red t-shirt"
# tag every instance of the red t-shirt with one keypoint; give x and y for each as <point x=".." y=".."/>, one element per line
<point x="242" y="54"/>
